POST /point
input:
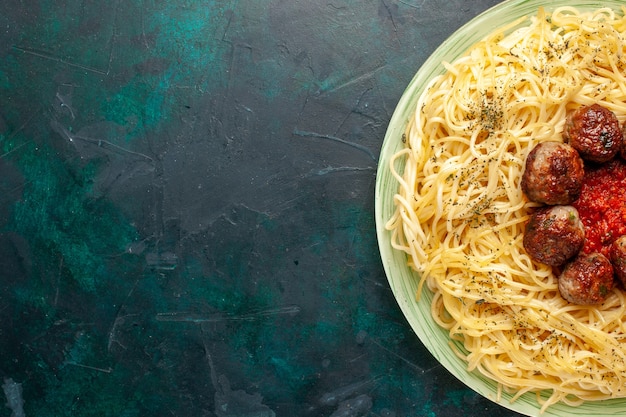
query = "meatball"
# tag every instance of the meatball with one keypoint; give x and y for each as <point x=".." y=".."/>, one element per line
<point x="594" y="132"/>
<point x="588" y="279"/>
<point x="554" y="234"/>
<point x="622" y="149"/>
<point x="617" y="255"/>
<point x="553" y="174"/>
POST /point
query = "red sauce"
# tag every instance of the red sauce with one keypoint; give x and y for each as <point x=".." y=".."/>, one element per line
<point x="602" y="205"/>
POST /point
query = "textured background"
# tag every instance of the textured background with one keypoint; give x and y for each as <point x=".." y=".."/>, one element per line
<point x="186" y="208"/>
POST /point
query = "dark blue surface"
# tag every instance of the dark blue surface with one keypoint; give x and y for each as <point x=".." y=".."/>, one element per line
<point x="186" y="208"/>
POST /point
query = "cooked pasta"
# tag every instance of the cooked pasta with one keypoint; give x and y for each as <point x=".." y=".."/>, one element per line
<point x="460" y="212"/>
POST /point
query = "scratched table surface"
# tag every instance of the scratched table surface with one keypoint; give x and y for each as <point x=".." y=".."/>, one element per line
<point x="187" y="209"/>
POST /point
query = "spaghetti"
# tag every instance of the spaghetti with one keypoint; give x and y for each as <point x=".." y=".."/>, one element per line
<point x="460" y="212"/>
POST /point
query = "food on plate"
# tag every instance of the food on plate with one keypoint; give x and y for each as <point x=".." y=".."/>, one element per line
<point x="601" y="205"/>
<point x="594" y="132"/>
<point x="548" y="238"/>
<point x="617" y="255"/>
<point x="588" y="279"/>
<point x="553" y="173"/>
<point x="461" y="212"/>
<point x="622" y="149"/>
<point x="554" y="234"/>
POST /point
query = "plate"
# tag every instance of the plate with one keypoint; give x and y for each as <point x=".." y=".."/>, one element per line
<point x="402" y="279"/>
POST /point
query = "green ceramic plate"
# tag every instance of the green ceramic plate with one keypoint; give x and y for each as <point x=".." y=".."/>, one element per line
<point x="403" y="280"/>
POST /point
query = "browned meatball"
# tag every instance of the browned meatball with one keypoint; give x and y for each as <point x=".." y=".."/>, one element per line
<point x="553" y="174"/>
<point x="594" y="132"/>
<point x="588" y="279"/>
<point x="622" y="149"/>
<point x="617" y="254"/>
<point x="554" y="234"/>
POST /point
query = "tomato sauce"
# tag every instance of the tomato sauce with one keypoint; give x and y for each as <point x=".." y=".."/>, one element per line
<point x="602" y="205"/>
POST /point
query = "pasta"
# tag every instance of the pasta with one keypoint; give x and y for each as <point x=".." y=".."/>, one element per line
<point x="460" y="212"/>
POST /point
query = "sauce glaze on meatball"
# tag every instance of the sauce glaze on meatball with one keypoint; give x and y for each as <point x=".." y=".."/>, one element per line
<point x="553" y="174"/>
<point x="622" y="149"/>
<point x="554" y="234"/>
<point x="617" y="255"/>
<point x="594" y="132"/>
<point x="587" y="280"/>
